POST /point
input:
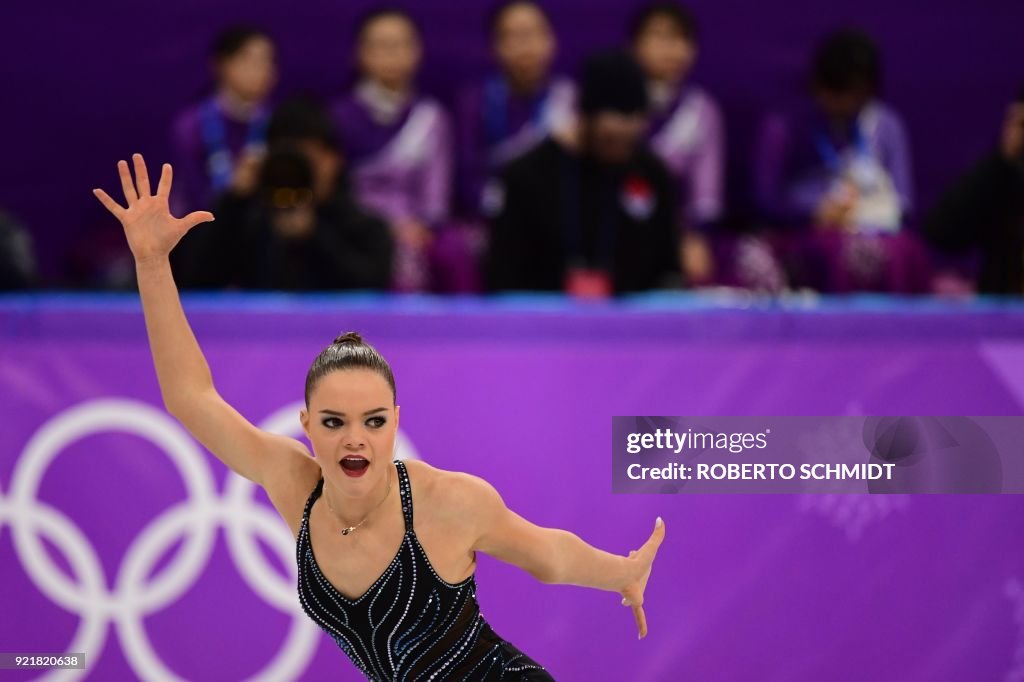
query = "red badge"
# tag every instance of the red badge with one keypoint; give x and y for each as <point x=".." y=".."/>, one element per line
<point x="637" y="197"/>
<point x="588" y="283"/>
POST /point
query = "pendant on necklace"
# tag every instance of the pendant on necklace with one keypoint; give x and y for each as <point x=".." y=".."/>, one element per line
<point x="346" y="531"/>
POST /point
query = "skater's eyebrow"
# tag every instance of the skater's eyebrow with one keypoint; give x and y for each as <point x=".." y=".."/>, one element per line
<point x="342" y="414"/>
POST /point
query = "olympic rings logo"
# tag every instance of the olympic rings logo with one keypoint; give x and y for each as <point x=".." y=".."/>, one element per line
<point x="195" y="518"/>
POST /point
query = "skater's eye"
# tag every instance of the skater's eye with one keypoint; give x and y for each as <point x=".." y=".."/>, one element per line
<point x="327" y="422"/>
<point x="376" y="422"/>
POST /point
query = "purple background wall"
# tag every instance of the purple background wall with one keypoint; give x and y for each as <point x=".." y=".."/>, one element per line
<point x="85" y="85"/>
<point x="787" y="587"/>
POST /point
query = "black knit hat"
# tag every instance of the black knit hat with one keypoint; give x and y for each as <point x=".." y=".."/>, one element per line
<point x="612" y="81"/>
<point x="302" y="117"/>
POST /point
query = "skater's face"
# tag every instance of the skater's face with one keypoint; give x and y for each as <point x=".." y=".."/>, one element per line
<point x="251" y="72"/>
<point x="389" y="51"/>
<point x="352" y="412"/>
<point x="664" y="53"/>
<point x="524" y="43"/>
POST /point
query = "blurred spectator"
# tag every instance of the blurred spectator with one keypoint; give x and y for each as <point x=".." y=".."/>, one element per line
<point x="515" y="108"/>
<point x="984" y="211"/>
<point x="686" y="126"/>
<point x="288" y="221"/>
<point x="215" y="136"/>
<point x="840" y="164"/>
<point x="99" y="258"/>
<point x="17" y="255"/>
<point x="594" y="213"/>
<point x="398" y="142"/>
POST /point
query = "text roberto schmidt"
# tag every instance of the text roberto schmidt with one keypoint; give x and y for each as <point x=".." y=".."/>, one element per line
<point x="667" y="440"/>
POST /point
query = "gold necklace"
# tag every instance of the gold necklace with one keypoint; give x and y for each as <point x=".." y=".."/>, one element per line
<point x="349" y="529"/>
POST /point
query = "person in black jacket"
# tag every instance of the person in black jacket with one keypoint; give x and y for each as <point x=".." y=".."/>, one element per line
<point x="592" y="214"/>
<point x="984" y="211"/>
<point x="288" y="221"/>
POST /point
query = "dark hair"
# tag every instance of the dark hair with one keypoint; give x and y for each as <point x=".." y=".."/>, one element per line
<point x="678" y="14"/>
<point x="497" y="13"/>
<point x="349" y="351"/>
<point x="612" y="81"/>
<point x="302" y="117"/>
<point x="373" y="15"/>
<point x="232" y="39"/>
<point x="845" y="60"/>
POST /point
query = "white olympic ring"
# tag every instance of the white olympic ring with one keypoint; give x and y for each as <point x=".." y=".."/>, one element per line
<point x="197" y="517"/>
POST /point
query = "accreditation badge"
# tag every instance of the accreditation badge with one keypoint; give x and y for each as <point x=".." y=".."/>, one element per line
<point x="637" y="197"/>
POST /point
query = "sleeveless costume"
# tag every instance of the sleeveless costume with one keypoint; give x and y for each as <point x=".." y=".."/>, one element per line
<point x="410" y="624"/>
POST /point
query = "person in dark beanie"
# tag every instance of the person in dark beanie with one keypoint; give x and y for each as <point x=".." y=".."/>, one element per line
<point x="289" y="222"/>
<point x="593" y="212"/>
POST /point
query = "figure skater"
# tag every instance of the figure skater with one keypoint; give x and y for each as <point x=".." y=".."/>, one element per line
<point x="397" y="592"/>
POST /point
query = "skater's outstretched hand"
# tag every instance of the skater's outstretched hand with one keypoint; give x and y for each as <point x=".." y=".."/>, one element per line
<point x="643" y="558"/>
<point x="151" y="230"/>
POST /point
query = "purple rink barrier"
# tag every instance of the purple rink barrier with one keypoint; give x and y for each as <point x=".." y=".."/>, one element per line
<point x="818" y="455"/>
<point x="122" y="539"/>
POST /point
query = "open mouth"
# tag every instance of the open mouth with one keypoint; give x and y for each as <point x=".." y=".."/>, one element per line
<point x="354" y="463"/>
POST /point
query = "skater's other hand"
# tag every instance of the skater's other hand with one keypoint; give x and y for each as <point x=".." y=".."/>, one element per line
<point x="643" y="559"/>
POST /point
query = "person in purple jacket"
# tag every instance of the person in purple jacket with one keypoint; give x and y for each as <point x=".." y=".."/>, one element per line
<point x="686" y="127"/>
<point x="398" y="141"/>
<point x="515" y="107"/>
<point x="836" y="172"/>
<point x="225" y="132"/>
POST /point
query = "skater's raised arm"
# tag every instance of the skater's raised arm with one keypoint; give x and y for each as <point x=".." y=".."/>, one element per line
<point x="186" y="383"/>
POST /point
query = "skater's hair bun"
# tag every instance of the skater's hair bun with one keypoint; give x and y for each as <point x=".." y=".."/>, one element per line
<point x="348" y="351"/>
<point x="348" y="337"/>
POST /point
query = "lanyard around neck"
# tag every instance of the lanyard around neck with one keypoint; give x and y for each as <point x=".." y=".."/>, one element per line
<point x="495" y="106"/>
<point x="830" y="153"/>
<point x="215" y="139"/>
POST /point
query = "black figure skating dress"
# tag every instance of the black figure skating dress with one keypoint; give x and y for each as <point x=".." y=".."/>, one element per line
<point x="410" y="625"/>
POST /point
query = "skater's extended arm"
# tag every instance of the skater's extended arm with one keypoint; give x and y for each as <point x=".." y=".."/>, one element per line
<point x="186" y="383"/>
<point x="553" y="555"/>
